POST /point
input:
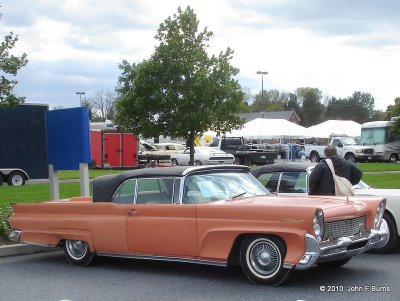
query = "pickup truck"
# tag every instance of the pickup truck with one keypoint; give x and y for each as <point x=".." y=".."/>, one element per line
<point x="346" y="148"/>
<point x="244" y="154"/>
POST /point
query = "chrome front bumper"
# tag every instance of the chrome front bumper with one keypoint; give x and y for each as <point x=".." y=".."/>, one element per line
<point x="343" y="247"/>
<point x="15" y="235"/>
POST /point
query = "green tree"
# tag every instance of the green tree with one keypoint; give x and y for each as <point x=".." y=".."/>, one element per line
<point x="9" y="65"/>
<point x="359" y="107"/>
<point x="269" y="101"/>
<point x="312" y="110"/>
<point x="394" y="111"/>
<point x="180" y="91"/>
<point x="292" y="103"/>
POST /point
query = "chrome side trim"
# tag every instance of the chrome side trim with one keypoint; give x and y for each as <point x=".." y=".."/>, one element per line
<point x="288" y="266"/>
<point x="166" y="258"/>
<point x="39" y="244"/>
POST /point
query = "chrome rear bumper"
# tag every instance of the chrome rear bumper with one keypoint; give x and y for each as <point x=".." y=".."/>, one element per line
<point x="343" y="247"/>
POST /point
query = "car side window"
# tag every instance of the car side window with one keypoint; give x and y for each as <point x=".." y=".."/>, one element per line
<point x="155" y="191"/>
<point x="269" y="180"/>
<point x="293" y="182"/>
<point x="125" y="193"/>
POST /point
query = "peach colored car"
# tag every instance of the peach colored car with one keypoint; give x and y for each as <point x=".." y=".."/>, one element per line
<point x="219" y="215"/>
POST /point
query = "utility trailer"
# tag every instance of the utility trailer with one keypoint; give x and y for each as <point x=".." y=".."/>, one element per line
<point x="113" y="149"/>
<point x="23" y="151"/>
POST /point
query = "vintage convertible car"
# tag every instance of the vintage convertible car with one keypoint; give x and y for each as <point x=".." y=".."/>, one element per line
<point x="203" y="156"/>
<point x="218" y="215"/>
<point x="161" y="151"/>
<point x="292" y="179"/>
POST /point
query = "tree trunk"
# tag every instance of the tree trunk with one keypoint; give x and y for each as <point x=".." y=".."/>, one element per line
<point x="191" y="145"/>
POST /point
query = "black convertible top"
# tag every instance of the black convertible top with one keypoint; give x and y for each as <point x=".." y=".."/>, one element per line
<point x="281" y="167"/>
<point x="105" y="186"/>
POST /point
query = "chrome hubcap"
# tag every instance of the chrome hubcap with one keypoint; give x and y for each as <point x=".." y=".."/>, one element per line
<point x="264" y="258"/>
<point x="77" y="249"/>
<point x="17" y="180"/>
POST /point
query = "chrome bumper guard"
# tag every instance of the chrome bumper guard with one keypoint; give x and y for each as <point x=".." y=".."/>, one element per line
<point x="15" y="235"/>
<point x="343" y="247"/>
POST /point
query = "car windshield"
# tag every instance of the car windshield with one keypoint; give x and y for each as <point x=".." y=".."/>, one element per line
<point x="348" y="141"/>
<point x="220" y="186"/>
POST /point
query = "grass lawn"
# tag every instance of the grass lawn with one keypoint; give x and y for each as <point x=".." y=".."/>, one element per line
<point x="35" y="193"/>
<point x="74" y="174"/>
<point x="382" y="180"/>
<point x="379" y="166"/>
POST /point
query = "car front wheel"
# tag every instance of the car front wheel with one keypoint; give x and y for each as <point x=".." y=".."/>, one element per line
<point x="314" y="158"/>
<point x="261" y="258"/>
<point x="393" y="158"/>
<point x="77" y="252"/>
<point x="351" y="158"/>
<point x="174" y="162"/>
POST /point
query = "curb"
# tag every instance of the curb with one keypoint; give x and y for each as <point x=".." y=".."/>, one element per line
<point x="22" y="249"/>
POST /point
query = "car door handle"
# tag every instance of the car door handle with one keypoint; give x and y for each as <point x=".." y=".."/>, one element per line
<point x="132" y="212"/>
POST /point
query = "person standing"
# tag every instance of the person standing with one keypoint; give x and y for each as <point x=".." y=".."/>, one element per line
<point x="321" y="179"/>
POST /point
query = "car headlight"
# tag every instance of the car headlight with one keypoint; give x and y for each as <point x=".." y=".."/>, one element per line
<point x="318" y="224"/>
<point x="379" y="214"/>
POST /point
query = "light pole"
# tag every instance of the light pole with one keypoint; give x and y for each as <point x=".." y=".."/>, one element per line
<point x="262" y="82"/>
<point x="80" y="96"/>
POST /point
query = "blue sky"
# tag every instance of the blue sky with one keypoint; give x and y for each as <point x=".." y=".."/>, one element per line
<point x="337" y="46"/>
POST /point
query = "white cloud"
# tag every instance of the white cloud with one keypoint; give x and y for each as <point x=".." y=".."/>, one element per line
<point x="337" y="46"/>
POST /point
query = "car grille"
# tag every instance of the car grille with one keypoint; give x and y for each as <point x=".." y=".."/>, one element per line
<point x="368" y="151"/>
<point x="342" y="228"/>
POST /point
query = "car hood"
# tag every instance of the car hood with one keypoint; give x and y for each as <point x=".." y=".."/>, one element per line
<point x="335" y="208"/>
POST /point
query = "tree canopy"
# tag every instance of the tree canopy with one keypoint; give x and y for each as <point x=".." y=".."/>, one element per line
<point x="180" y="91"/>
<point x="394" y="111"/>
<point x="9" y="65"/>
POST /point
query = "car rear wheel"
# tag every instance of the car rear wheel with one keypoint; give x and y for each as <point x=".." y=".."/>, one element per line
<point x="393" y="241"/>
<point x="261" y="258"/>
<point x="16" y="178"/>
<point x="174" y="162"/>
<point x="197" y="163"/>
<point x="314" y="157"/>
<point x="77" y="252"/>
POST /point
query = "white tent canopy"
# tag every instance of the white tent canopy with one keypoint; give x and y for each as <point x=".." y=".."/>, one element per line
<point x="261" y="128"/>
<point x="333" y="128"/>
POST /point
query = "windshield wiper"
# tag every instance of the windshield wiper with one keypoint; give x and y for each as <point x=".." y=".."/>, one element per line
<point x="237" y="195"/>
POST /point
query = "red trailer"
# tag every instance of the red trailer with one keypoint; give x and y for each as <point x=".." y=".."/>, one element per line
<point x="113" y="149"/>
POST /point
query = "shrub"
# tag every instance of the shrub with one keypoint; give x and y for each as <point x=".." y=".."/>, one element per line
<point x="5" y="215"/>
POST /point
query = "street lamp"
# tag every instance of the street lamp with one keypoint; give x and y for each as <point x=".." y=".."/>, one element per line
<point x="80" y="96"/>
<point x="262" y="82"/>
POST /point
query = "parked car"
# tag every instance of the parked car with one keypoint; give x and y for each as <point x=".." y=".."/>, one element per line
<point x="219" y="215"/>
<point x="161" y="151"/>
<point x="292" y="179"/>
<point x="203" y="156"/>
